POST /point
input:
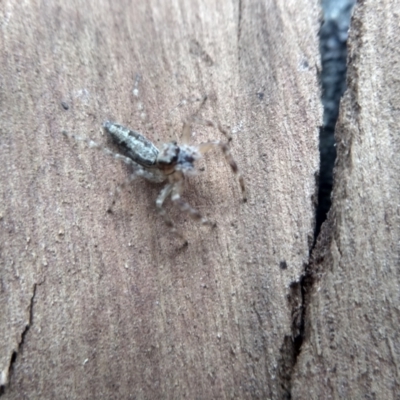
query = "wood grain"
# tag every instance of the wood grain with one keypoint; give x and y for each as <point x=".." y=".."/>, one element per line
<point x="351" y="350"/>
<point x="108" y="305"/>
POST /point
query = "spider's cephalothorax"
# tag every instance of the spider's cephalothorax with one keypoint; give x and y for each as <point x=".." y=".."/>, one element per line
<point x="170" y="163"/>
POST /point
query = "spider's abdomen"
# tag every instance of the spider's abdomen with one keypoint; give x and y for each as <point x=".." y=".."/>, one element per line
<point x="135" y="145"/>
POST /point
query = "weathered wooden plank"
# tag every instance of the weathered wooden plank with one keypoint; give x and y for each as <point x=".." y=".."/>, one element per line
<point x="352" y="348"/>
<point x="115" y="307"/>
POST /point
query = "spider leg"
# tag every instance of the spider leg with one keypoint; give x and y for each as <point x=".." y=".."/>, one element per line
<point x="118" y="189"/>
<point x="155" y="176"/>
<point x="187" y="125"/>
<point x="204" y="147"/>
<point x="207" y="122"/>
<point x="94" y="145"/>
<point x="186" y="132"/>
<point x="184" y="206"/>
<point x="207" y="146"/>
<point x="150" y="175"/>
<point x="165" y="192"/>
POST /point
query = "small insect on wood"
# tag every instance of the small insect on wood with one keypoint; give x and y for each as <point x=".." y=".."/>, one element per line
<point x="171" y="163"/>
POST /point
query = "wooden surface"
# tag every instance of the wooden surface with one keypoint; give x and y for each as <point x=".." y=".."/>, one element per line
<point x="108" y="305"/>
<point x="352" y="346"/>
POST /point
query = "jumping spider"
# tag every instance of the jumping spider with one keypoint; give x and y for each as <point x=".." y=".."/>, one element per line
<point x="171" y="163"/>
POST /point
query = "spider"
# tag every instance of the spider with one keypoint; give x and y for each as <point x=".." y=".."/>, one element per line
<point x="171" y="163"/>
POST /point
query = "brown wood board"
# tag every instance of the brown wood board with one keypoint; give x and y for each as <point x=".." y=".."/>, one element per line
<point x="109" y="305"/>
<point x="351" y="347"/>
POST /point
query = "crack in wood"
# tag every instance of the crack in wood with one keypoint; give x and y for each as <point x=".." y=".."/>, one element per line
<point x="7" y="374"/>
